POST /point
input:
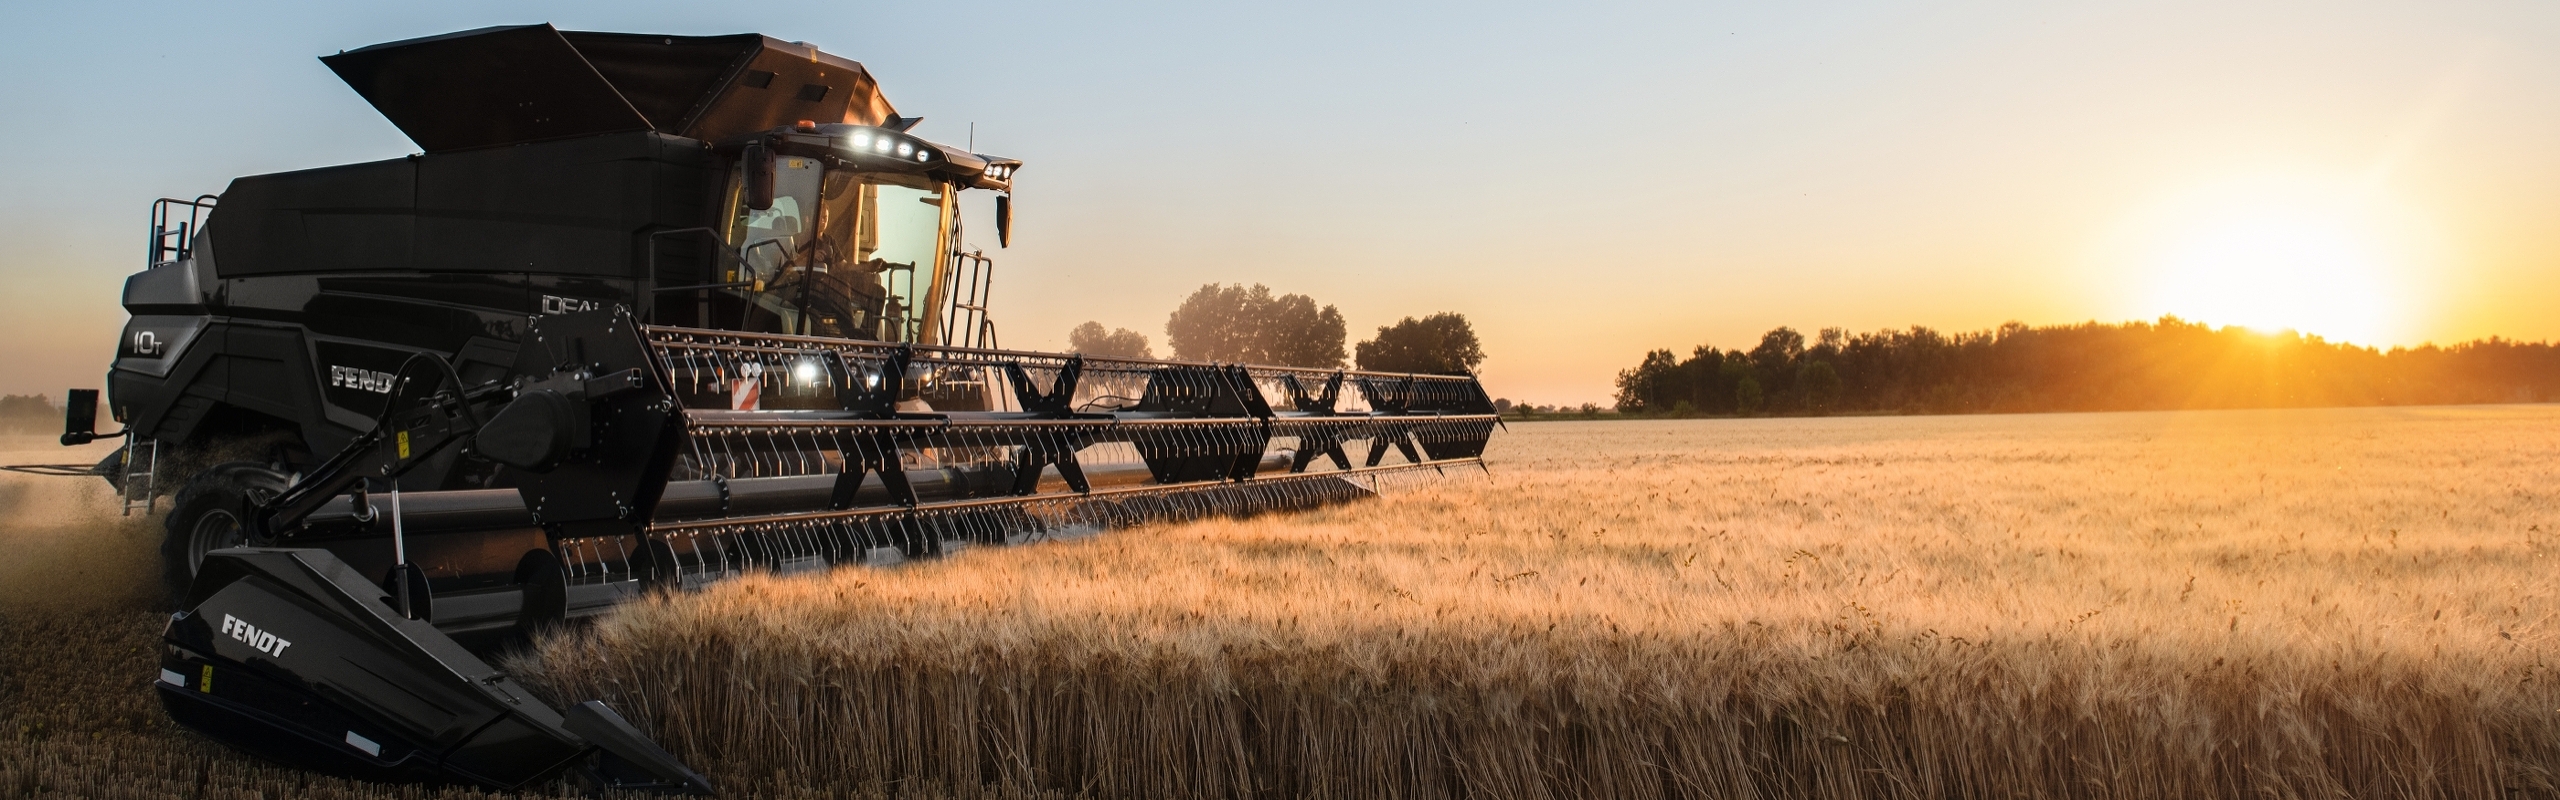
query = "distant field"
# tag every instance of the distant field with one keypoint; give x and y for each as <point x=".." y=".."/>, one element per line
<point x="2209" y="604"/>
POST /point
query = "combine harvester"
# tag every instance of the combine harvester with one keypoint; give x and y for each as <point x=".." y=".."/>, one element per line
<point x="647" y="312"/>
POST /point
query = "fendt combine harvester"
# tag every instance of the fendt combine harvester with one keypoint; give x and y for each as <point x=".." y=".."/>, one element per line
<point x="646" y="313"/>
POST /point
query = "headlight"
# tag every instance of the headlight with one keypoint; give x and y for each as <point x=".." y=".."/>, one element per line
<point x="862" y="140"/>
<point x="905" y="148"/>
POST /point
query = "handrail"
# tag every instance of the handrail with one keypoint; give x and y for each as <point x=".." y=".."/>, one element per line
<point x="702" y="309"/>
<point x="162" y="250"/>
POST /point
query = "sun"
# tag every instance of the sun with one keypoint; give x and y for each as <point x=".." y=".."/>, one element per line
<point x="2276" y="269"/>
<point x="2325" y="260"/>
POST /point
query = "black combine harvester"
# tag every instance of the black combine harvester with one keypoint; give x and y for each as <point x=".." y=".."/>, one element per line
<point x="646" y="313"/>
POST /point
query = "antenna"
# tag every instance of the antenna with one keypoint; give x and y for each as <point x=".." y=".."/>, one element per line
<point x="973" y="137"/>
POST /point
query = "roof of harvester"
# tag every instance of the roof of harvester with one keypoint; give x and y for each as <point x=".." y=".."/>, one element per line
<point x="529" y="83"/>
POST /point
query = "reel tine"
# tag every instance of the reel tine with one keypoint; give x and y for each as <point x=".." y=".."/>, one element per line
<point x="1215" y="459"/>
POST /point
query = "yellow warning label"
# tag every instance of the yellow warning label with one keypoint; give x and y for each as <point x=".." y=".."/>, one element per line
<point x="404" y="444"/>
<point x="206" y="686"/>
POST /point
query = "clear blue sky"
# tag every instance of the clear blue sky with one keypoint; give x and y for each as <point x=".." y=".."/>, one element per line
<point x="1586" y="182"/>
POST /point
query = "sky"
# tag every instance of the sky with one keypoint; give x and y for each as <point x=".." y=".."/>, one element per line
<point x="1585" y="182"/>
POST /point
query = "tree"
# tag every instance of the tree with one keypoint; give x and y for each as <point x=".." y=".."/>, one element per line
<point x="1821" y="385"/>
<point x="2168" y="363"/>
<point x="1214" y="324"/>
<point x="1090" y="339"/>
<point x="1776" y="355"/>
<point x="1294" y="332"/>
<point x="1646" y="388"/>
<point x="30" y="412"/>
<point x="1778" y="348"/>
<point x="1236" y="324"/>
<point x="1730" y="373"/>
<point x="1440" y="344"/>
<point x="1747" y="396"/>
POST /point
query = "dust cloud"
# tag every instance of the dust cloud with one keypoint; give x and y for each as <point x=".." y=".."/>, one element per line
<point x="63" y="543"/>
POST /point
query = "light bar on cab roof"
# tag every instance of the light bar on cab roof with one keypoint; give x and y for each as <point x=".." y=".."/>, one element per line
<point x="868" y="142"/>
<point x="884" y="148"/>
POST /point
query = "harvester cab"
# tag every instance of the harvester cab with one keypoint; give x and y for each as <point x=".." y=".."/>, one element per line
<point x="647" y="312"/>
<point x="837" y="230"/>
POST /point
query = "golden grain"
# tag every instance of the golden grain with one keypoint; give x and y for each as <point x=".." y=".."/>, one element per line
<point x="2222" y="604"/>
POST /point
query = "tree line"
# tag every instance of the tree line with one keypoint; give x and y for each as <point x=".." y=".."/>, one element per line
<point x="1240" y="325"/>
<point x="2168" y="364"/>
<point x="29" y="413"/>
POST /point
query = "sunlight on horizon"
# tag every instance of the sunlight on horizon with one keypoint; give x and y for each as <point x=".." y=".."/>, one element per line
<point x="2328" y="259"/>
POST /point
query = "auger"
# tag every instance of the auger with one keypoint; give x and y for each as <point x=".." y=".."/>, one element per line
<point x="647" y="313"/>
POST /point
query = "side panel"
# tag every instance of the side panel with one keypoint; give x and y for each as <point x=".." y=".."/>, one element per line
<point x="364" y="326"/>
<point x="320" y="350"/>
<point x="354" y="217"/>
<point x="563" y="208"/>
<point x="163" y="397"/>
<point x="269" y="371"/>
<point x="154" y="343"/>
<point x="575" y="207"/>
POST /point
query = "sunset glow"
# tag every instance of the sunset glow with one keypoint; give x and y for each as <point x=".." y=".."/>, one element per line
<point x="2369" y="172"/>
<point x="2331" y="260"/>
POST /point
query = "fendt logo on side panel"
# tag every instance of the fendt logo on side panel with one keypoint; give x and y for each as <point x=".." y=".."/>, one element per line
<point x="554" y="304"/>
<point x="360" y="379"/>
<point x="265" y="642"/>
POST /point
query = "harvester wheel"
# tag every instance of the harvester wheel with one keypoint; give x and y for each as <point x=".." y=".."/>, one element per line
<point x="207" y="515"/>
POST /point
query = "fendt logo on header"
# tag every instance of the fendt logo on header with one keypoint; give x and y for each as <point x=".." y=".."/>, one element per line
<point x="265" y="642"/>
<point x="360" y="379"/>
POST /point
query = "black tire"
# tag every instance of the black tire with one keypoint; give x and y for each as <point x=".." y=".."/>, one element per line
<point x="207" y="515"/>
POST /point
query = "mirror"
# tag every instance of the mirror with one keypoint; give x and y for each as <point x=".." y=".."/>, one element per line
<point x="759" y="165"/>
<point x="1004" y="220"/>
<point x="80" y="417"/>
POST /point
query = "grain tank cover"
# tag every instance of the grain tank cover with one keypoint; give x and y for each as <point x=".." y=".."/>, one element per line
<point x="529" y="83"/>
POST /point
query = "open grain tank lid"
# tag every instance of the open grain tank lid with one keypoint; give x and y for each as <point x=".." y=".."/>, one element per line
<point x="531" y="83"/>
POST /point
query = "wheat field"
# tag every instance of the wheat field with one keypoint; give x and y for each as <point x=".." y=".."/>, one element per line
<point x="2323" y="603"/>
<point x="2312" y="603"/>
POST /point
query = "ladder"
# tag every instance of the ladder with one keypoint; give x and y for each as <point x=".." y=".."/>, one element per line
<point x="967" y="324"/>
<point x="141" y="474"/>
